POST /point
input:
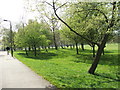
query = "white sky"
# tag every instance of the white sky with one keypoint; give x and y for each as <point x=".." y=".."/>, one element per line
<point x="11" y="9"/>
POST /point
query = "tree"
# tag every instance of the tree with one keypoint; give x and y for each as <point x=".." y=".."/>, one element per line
<point x="35" y="35"/>
<point x="109" y="22"/>
<point x="71" y="38"/>
<point x="52" y="22"/>
<point x="87" y="23"/>
<point x="20" y="41"/>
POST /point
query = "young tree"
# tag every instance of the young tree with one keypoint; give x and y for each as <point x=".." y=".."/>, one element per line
<point x="71" y="37"/>
<point x="35" y="35"/>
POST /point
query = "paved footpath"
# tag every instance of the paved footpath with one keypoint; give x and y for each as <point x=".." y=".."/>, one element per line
<point x="14" y="74"/>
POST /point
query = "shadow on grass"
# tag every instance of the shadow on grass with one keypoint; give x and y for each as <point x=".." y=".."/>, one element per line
<point x="86" y="56"/>
<point x="108" y="77"/>
<point x="83" y="57"/>
<point x="108" y="51"/>
<point x="108" y="59"/>
<point x="90" y="51"/>
<point x="41" y="56"/>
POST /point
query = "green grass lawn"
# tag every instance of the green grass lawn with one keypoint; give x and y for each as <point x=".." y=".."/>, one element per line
<point x="64" y="69"/>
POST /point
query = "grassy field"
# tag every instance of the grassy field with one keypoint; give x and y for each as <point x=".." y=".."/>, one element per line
<point x="64" y="69"/>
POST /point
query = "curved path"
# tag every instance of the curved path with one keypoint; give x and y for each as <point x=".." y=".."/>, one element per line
<point x="14" y="74"/>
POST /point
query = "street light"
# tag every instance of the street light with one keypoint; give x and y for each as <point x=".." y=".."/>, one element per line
<point x="11" y="36"/>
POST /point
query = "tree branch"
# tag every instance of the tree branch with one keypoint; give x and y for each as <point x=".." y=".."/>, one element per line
<point x="54" y="8"/>
<point x="96" y="10"/>
<point x="101" y="13"/>
<point x="61" y="6"/>
<point x="112" y="23"/>
<point x="48" y="3"/>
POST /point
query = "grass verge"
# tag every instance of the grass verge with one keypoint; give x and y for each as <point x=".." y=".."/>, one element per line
<point x="64" y="69"/>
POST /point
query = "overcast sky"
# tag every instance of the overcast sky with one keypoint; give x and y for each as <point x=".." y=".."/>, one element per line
<point x="11" y="9"/>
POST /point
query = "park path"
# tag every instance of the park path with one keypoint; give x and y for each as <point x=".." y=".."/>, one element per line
<point x="14" y="74"/>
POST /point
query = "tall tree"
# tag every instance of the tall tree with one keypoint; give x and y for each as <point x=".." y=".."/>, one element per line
<point x="35" y="35"/>
<point x="109" y="22"/>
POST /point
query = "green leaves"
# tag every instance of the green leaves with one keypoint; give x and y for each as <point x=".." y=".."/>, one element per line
<point x="33" y="34"/>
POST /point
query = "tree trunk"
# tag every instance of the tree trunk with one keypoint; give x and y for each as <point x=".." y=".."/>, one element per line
<point x="73" y="46"/>
<point x="67" y="46"/>
<point x="82" y="46"/>
<point x="62" y="46"/>
<point x="70" y="46"/>
<point x="14" y="48"/>
<point x="26" y="51"/>
<point x="103" y="52"/>
<point x="42" y="47"/>
<point x="35" y="51"/>
<point x="77" y="50"/>
<point x="54" y="39"/>
<point x="56" y="47"/>
<point x="93" y="50"/>
<point x="98" y="55"/>
<point x="29" y="48"/>
<point x="49" y="47"/>
<point x="39" y="48"/>
<point x="46" y="49"/>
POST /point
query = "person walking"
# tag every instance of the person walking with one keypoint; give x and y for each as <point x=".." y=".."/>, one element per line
<point x="7" y="48"/>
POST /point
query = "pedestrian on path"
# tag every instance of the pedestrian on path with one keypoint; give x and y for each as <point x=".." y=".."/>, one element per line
<point x="7" y="48"/>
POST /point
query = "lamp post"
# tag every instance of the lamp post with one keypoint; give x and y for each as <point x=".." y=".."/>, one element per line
<point x="11" y="37"/>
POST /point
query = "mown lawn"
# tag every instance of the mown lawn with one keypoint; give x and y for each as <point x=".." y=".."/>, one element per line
<point x="64" y="69"/>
